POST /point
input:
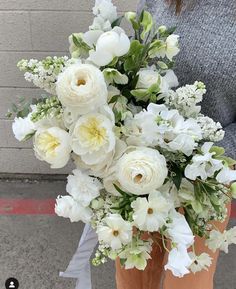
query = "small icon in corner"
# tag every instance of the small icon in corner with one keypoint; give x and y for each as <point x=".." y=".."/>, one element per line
<point x="12" y="283"/>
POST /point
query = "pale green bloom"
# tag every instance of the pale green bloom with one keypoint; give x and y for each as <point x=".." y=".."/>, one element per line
<point x="114" y="76"/>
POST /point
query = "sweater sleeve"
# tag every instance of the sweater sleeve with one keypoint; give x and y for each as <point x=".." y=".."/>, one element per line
<point x="229" y="141"/>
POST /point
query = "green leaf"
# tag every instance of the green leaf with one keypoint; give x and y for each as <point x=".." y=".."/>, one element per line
<point x="119" y="190"/>
<point x="29" y="136"/>
<point x="117" y="22"/>
<point x="162" y="65"/>
<point x="122" y="262"/>
<point x="114" y="98"/>
<point x="177" y="179"/>
<point x="219" y="151"/>
<point x="134" y="57"/>
<point x="168" y="31"/>
<point x="140" y="94"/>
<point x="229" y="161"/>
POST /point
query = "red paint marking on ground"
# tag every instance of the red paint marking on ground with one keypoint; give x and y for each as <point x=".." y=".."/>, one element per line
<point x="43" y="207"/>
<point x="27" y="207"/>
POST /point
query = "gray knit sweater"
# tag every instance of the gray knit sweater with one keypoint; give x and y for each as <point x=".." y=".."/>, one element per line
<point x="208" y="53"/>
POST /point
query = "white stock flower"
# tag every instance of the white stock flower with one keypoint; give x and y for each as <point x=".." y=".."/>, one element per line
<point x="67" y="207"/>
<point x="92" y="138"/>
<point x="226" y="176"/>
<point x="114" y="43"/>
<point x="82" y="87"/>
<point x="142" y="170"/>
<point x="136" y="254"/>
<point x="179" y="231"/>
<point x="115" y="232"/>
<point x="151" y="214"/>
<point x="22" y="127"/>
<point x="179" y="261"/>
<point x="53" y="146"/>
<point x="211" y="130"/>
<point x="201" y="262"/>
<point x="106" y="10"/>
<point x="100" y="24"/>
<point x="82" y="187"/>
<point x="218" y="240"/>
<point x="203" y="165"/>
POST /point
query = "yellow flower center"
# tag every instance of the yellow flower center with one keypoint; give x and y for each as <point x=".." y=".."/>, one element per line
<point x="48" y="143"/>
<point x="93" y="133"/>
<point x="138" y="178"/>
<point x="81" y="82"/>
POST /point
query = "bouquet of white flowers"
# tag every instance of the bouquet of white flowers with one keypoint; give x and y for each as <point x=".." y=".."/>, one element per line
<point x="144" y="154"/>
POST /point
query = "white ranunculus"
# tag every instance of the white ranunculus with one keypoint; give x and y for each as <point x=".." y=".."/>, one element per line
<point x="106" y="10"/>
<point x="199" y="263"/>
<point x="82" y="187"/>
<point x="226" y="176"/>
<point x="67" y="207"/>
<point x="92" y="138"/>
<point x="141" y="170"/>
<point x="151" y="214"/>
<point x="179" y="231"/>
<point x="179" y="261"/>
<point x="115" y="232"/>
<point x="111" y="44"/>
<point x="22" y="127"/>
<point x="53" y="146"/>
<point x="82" y="87"/>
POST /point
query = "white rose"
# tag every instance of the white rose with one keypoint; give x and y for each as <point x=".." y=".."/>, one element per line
<point x="114" y="43"/>
<point x="82" y="187"/>
<point x="22" y="127"/>
<point x="142" y="170"/>
<point x="82" y="87"/>
<point x="53" y="146"/>
<point x="93" y="138"/>
<point x="67" y="207"/>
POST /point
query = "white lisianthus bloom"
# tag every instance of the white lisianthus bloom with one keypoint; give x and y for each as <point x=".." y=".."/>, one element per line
<point x="179" y="261"/>
<point x="22" y="127"/>
<point x="171" y="47"/>
<point x="106" y="10"/>
<point x="179" y="231"/>
<point x="201" y="262"/>
<point x="218" y="240"/>
<point x="136" y="254"/>
<point x="149" y="76"/>
<point x="226" y="176"/>
<point x="115" y="232"/>
<point x="203" y="165"/>
<point x="67" y="207"/>
<point x="93" y="138"/>
<point x="82" y="87"/>
<point x="151" y="214"/>
<point x="52" y="145"/>
<point x="111" y="44"/>
<point x="141" y="170"/>
<point x="82" y="187"/>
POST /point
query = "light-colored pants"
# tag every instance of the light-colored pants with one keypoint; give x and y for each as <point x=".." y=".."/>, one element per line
<point x="154" y="274"/>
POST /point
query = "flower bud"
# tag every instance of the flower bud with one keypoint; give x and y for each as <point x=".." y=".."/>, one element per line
<point x="162" y="29"/>
<point x="233" y="190"/>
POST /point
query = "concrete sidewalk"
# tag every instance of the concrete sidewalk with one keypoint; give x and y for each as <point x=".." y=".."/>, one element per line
<point x="35" y="248"/>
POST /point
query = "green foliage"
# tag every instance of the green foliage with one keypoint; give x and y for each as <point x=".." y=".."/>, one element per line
<point x="117" y="22"/>
<point x="146" y="23"/>
<point x="135" y="56"/>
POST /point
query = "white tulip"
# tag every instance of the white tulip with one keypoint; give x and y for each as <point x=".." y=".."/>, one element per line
<point x="115" y="232"/>
<point x="67" y="207"/>
<point x="141" y="170"/>
<point x="82" y="87"/>
<point x="92" y="138"/>
<point x="179" y="261"/>
<point x="114" y="43"/>
<point x="53" y="146"/>
<point x="22" y="127"/>
<point x="82" y="187"/>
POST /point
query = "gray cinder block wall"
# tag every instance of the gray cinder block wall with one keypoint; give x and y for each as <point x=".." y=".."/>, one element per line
<point x="34" y="29"/>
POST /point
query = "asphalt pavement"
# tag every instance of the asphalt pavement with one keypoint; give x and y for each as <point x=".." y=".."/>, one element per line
<point x="35" y="248"/>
